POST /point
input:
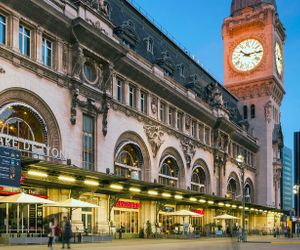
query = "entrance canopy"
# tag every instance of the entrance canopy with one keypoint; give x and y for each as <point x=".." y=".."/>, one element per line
<point x="226" y="217"/>
<point x="72" y="203"/>
<point x="23" y="198"/>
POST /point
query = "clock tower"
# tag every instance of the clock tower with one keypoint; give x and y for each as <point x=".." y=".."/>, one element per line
<point x="254" y="72"/>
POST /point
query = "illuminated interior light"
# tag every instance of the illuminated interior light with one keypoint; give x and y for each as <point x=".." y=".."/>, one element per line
<point x="178" y="197"/>
<point x="37" y="173"/>
<point x="227" y="205"/>
<point x="210" y="202"/>
<point x="193" y="199"/>
<point x="221" y="204"/>
<point x="166" y="195"/>
<point x="135" y="190"/>
<point x="116" y="186"/>
<point x="152" y="192"/>
<point x="66" y="178"/>
<point x="234" y="206"/>
<point x="91" y="182"/>
<point x="202" y="201"/>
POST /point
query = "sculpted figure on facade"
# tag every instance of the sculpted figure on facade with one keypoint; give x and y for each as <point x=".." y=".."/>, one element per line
<point x="268" y="111"/>
<point x="154" y="104"/>
<point x="154" y="135"/>
<point x="78" y="61"/>
<point x="215" y="95"/>
<point x="188" y="120"/>
<point x="189" y="150"/>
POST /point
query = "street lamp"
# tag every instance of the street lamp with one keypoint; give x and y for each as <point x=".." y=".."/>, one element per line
<point x="241" y="165"/>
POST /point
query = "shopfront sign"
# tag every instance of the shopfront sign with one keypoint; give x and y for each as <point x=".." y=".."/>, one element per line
<point x="38" y="150"/>
<point x="128" y="204"/>
<point x="10" y="167"/>
<point x="168" y="209"/>
<point x="199" y="211"/>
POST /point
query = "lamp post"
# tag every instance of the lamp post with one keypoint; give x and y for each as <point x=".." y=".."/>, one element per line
<point x="241" y="165"/>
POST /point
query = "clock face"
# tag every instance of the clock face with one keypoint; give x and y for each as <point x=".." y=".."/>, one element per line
<point x="279" y="58"/>
<point x="247" y="55"/>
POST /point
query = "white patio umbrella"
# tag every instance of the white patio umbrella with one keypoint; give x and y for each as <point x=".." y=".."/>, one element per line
<point x="184" y="213"/>
<point x="225" y="217"/>
<point x="22" y="198"/>
<point x="72" y="204"/>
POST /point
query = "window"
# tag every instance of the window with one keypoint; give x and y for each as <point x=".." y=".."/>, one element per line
<point x="194" y="129"/>
<point x="2" y="29"/>
<point x="24" y="40"/>
<point x="143" y="102"/>
<point x="179" y="121"/>
<point x="201" y="133"/>
<point x="131" y="91"/>
<point x="171" y="117"/>
<point x="119" y="90"/>
<point x="207" y="136"/>
<point x="89" y="71"/>
<point x="181" y="70"/>
<point x="162" y="112"/>
<point x="169" y="172"/>
<point x="88" y="142"/>
<point x="245" y="112"/>
<point x="198" y="180"/>
<point x="149" y="43"/>
<point x="252" y="110"/>
<point x="46" y="52"/>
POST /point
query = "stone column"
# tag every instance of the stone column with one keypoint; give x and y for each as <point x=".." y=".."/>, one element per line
<point x="13" y="35"/>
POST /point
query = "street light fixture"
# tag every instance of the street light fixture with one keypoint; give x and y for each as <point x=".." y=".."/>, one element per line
<point x="241" y="165"/>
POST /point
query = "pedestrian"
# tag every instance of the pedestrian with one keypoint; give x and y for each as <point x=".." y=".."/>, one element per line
<point x="288" y="231"/>
<point x="277" y="232"/>
<point x="51" y="234"/>
<point x="67" y="232"/>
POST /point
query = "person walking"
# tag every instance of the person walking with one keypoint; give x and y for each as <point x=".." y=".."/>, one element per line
<point x="66" y="233"/>
<point x="51" y="234"/>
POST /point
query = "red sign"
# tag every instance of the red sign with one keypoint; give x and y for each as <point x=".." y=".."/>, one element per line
<point x="199" y="211"/>
<point x="128" y="204"/>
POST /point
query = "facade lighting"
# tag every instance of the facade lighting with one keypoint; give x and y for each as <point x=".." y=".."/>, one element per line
<point x="240" y="207"/>
<point x="152" y="192"/>
<point x="251" y="209"/>
<point x="167" y="195"/>
<point x="227" y="205"/>
<point x="210" y="202"/>
<point x="202" y="201"/>
<point x="91" y="183"/>
<point x="193" y="199"/>
<point x="178" y="197"/>
<point x="37" y="173"/>
<point x="221" y="204"/>
<point x="234" y="206"/>
<point x="66" y="178"/>
<point x="135" y="190"/>
<point x="246" y="208"/>
<point x="116" y="186"/>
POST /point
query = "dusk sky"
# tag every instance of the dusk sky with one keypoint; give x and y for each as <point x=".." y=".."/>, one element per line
<point x="196" y="24"/>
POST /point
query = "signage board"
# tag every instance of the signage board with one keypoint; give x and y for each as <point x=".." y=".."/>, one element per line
<point x="10" y="167"/>
<point x="199" y="211"/>
<point x="128" y="204"/>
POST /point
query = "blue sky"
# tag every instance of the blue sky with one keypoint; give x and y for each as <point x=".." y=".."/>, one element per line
<point x="197" y="25"/>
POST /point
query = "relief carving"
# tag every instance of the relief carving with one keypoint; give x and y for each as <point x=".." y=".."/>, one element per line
<point x="189" y="150"/>
<point x="2" y="71"/>
<point x="268" y="111"/>
<point x="78" y="61"/>
<point x="188" y="120"/>
<point x="215" y="96"/>
<point x="154" y="135"/>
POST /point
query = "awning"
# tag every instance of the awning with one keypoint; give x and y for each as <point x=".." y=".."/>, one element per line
<point x="22" y="198"/>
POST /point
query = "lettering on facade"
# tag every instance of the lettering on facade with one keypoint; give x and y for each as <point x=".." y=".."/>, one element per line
<point x="199" y="211"/>
<point x="128" y="204"/>
<point x="38" y="150"/>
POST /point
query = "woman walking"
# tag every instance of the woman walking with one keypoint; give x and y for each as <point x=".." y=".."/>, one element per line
<point x="51" y="234"/>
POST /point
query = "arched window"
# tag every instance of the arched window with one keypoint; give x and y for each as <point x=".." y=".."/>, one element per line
<point x="252" y="111"/>
<point x="169" y="172"/>
<point x="249" y="191"/>
<point x="245" y="112"/>
<point x="198" y="180"/>
<point x="129" y="161"/>
<point x="232" y="189"/>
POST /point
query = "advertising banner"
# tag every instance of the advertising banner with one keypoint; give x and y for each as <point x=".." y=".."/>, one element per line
<point x="10" y="167"/>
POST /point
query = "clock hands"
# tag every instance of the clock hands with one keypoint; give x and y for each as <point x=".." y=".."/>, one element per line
<point x="251" y="53"/>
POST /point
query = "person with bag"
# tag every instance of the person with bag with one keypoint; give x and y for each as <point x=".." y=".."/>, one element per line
<point x="66" y="233"/>
<point x="51" y="234"/>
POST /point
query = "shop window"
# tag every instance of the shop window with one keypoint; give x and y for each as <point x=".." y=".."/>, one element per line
<point x="128" y="219"/>
<point x="24" y="40"/>
<point x="2" y="29"/>
<point x="143" y="102"/>
<point x="252" y="111"/>
<point x="169" y="172"/>
<point x="47" y="52"/>
<point x="131" y="96"/>
<point x="162" y="112"/>
<point x="179" y="121"/>
<point x="88" y="142"/>
<point x="198" y="180"/>
<point x="129" y="162"/>
<point x="119" y="90"/>
<point x="245" y="112"/>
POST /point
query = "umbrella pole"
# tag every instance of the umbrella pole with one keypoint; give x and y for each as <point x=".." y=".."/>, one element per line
<point x="18" y="217"/>
<point x="7" y="218"/>
<point x="28" y="218"/>
<point x="36" y="217"/>
<point x="22" y="218"/>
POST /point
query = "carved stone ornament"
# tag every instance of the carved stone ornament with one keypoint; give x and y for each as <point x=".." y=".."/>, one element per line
<point x="78" y="61"/>
<point x="101" y="6"/>
<point x="189" y="150"/>
<point x="90" y="105"/>
<point x="215" y="96"/>
<point x="2" y="71"/>
<point x="154" y="135"/>
<point x="154" y="104"/>
<point x="268" y="111"/>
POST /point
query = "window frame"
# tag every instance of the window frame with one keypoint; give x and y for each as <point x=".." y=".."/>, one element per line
<point x="162" y="112"/>
<point x="132" y="96"/>
<point x="179" y="123"/>
<point x="5" y="28"/>
<point x="46" y="39"/>
<point x="194" y="129"/>
<point x="120" y="90"/>
<point x="23" y="35"/>
<point x="86" y="164"/>
<point x="143" y="102"/>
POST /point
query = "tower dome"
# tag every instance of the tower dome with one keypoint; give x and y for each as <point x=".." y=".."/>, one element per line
<point x="238" y="5"/>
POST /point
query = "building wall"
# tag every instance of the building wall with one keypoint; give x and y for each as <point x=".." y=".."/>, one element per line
<point x="287" y="179"/>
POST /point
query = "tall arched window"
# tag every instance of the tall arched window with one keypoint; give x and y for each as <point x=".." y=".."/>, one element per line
<point x="245" y="112"/>
<point x="169" y="172"/>
<point x="252" y="111"/>
<point x="198" y="180"/>
<point x="232" y="189"/>
<point x="129" y="161"/>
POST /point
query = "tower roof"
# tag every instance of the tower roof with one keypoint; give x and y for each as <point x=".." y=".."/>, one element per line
<point x="238" y="5"/>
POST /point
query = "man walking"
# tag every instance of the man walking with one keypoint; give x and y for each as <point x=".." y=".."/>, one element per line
<point x="66" y="233"/>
